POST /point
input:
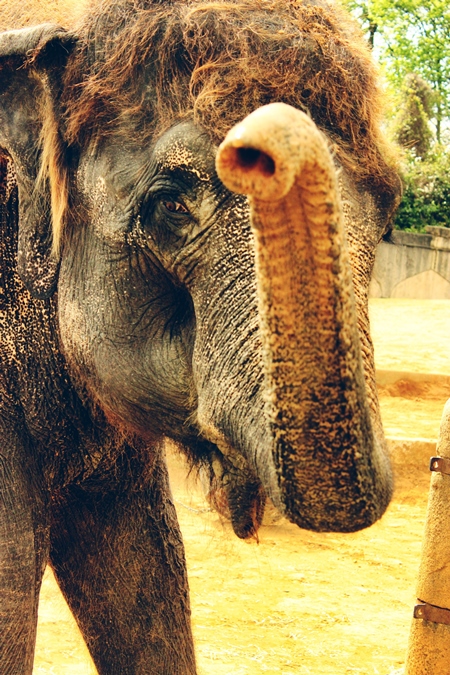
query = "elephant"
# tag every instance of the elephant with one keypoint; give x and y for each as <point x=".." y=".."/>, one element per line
<point x="191" y="198"/>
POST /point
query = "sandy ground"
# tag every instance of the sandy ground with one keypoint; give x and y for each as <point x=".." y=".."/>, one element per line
<point x="300" y="602"/>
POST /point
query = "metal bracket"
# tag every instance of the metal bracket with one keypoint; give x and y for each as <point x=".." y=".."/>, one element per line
<point x="440" y="464"/>
<point x="432" y="613"/>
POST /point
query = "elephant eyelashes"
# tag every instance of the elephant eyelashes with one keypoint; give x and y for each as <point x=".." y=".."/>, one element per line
<point x="165" y="213"/>
<point x="175" y="207"/>
<point x="171" y="214"/>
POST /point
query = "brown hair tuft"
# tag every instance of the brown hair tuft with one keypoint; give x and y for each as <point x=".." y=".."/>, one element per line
<point x="217" y="61"/>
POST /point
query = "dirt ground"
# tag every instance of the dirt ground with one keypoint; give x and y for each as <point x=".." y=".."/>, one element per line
<point x="300" y="602"/>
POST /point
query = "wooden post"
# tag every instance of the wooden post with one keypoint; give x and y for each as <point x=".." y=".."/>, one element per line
<point x="429" y="641"/>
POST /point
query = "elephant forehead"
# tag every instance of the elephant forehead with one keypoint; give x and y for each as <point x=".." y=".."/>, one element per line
<point x="186" y="147"/>
<point x="178" y="156"/>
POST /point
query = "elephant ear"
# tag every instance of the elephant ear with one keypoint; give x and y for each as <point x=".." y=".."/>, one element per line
<point x="32" y="62"/>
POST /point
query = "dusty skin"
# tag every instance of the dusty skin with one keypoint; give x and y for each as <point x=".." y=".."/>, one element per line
<point x="299" y="602"/>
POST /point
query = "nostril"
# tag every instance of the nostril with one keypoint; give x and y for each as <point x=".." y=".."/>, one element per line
<point x="250" y="159"/>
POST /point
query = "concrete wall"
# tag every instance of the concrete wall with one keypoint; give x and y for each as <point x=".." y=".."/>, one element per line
<point x="413" y="266"/>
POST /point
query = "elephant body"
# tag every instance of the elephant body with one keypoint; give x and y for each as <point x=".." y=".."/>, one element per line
<point x="74" y="489"/>
<point x="153" y="285"/>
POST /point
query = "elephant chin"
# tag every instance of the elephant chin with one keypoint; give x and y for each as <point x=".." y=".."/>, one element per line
<point x="331" y="469"/>
<point x="234" y="491"/>
<point x="242" y="505"/>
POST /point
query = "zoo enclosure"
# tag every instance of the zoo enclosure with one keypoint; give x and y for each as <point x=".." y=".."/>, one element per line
<point x="413" y="266"/>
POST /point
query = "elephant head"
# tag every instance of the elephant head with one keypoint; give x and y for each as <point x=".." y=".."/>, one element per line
<point x="214" y="306"/>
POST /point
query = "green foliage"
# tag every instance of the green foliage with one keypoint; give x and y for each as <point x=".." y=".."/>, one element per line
<point x="426" y="198"/>
<point x="413" y="36"/>
<point x="412" y="128"/>
<point x="411" y="40"/>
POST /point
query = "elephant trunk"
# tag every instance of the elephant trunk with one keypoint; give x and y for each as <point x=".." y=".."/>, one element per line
<point x="332" y="472"/>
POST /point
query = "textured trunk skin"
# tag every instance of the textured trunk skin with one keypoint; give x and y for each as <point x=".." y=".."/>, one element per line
<point x="333" y="474"/>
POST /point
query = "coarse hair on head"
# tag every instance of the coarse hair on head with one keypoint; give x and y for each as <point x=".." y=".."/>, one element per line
<point x="154" y="63"/>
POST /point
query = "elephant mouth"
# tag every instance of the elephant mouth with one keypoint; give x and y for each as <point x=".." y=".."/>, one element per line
<point x="235" y="494"/>
<point x="229" y="484"/>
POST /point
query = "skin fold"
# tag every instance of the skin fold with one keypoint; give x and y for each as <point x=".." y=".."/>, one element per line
<point x="156" y="282"/>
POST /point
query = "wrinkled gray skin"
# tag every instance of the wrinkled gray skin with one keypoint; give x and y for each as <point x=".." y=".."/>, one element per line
<point x="154" y="331"/>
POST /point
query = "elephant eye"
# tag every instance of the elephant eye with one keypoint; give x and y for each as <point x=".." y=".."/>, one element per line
<point x="175" y="207"/>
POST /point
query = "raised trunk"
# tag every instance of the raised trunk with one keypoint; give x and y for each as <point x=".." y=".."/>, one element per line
<point x="333" y="473"/>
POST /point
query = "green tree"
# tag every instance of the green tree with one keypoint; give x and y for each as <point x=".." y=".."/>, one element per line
<point x="412" y="127"/>
<point x="426" y="197"/>
<point x="412" y="36"/>
<point x="363" y="11"/>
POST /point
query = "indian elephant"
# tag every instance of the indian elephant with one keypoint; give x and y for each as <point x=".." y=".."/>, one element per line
<point x="145" y="294"/>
